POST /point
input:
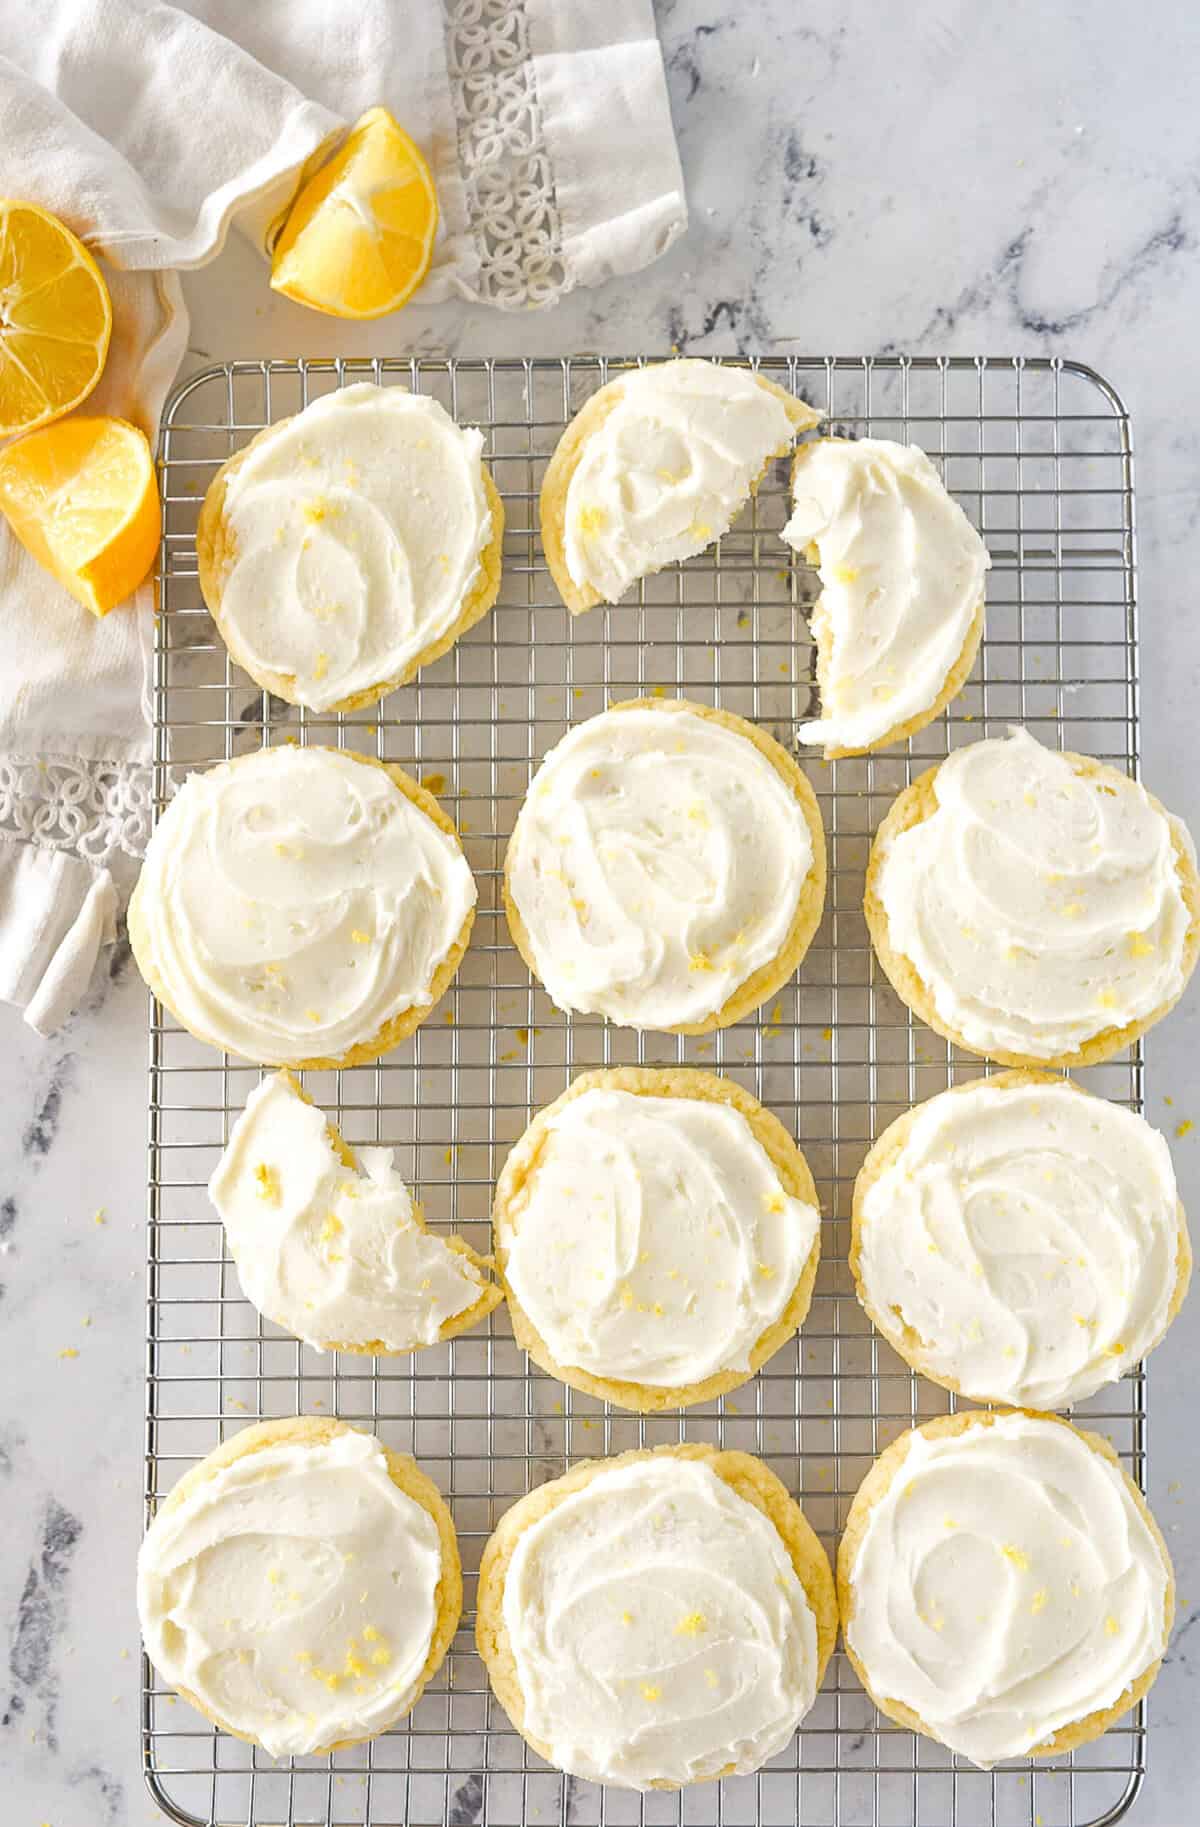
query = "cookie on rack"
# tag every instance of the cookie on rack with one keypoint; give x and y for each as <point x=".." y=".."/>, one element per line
<point x="339" y="1258"/>
<point x="1038" y="908"/>
<point x="300" y="1586"/>
<point x="900" y="615"/>
<point x="1003" y="1586"/>
<point x="302" y="906"/>
<point x="667" y="868"/>
<point x="658" y="1235"/>
<point x="655" y="467"/>
<point x="657" y="1619"/>
<point x="346" y="547"/>
<point x="1020" y="1241"/>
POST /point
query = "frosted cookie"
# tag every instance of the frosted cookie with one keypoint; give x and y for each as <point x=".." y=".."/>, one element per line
<point x="347" y="547"/>
<point x="338" y="1258"/>
<point x="654" y="468"/>
<point x="900" y="615"/>
<point x="658" y="1234"/>
<point x="300" y="1586"/>
<point x="1035" y="907"/>
<point x="667" y="868"/>
<point x="1003" y="1586"/>
<point x="302" y="907"/>
<point x="657" y="1619"/>
<point x="1019" y="1241"/>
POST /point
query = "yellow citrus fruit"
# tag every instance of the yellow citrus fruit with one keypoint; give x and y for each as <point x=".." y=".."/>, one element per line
<point x="55" y="318"/>
<point x="82" y="497"/>
<point x="359" y="237"/>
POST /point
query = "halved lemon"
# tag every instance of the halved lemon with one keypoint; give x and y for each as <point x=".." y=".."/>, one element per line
<point x="55" y="318"/>
<point x="82" y="497"/>
<point x="359" y="238"/>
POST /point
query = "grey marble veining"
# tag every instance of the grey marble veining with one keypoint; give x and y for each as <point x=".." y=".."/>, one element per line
<point x="941" y="178"/>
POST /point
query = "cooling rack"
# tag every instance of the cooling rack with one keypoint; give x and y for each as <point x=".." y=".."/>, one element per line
<point x="1039" y="454"/>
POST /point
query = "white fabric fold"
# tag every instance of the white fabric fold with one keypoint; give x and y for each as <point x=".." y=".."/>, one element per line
<point x="150" y="128"/>
<point x="56" y="911"/>
<point x="617" y="178"/>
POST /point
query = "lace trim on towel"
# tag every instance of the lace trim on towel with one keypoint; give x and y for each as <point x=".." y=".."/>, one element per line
<point x="502" y="154"/>
<point x="99" y="809"/>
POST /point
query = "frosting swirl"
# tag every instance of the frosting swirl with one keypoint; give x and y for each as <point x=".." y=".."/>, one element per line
<point x="334" y="1256"/>
<point x="1028" y="1234"/>
<point x="902" y="572"/>
<point x="1006" y="1585"/>
<point x="653" y="1239"/>
<point x="295" y="900"/>
<point x="656" y="864"/>
<point x="356" y="530"/>
<point x="659" y="1630"/>
<point x="668" y="469"/>
<point x="1040" y="903"/>
<point x="294" y="1593"/>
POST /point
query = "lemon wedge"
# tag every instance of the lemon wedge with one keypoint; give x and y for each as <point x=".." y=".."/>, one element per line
<point x="359" y="237"/>
<point x="81" y="496"/>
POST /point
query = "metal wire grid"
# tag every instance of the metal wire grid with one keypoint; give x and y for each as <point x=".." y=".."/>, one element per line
<point x="1039" y="454"/>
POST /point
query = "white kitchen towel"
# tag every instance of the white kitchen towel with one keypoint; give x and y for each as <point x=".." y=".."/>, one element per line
<point x="150" y="128"/>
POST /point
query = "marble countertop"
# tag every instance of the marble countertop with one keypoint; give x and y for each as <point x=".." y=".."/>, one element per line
<point x="947" y="178"/>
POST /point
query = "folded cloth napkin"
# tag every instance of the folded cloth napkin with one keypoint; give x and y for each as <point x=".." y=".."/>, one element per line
<point x="149" y="128"/>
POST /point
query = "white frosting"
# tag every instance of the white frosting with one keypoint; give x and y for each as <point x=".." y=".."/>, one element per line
<point x="659" y="1630"/>
<point x="296" y="900"/>
<point x="656" y="863"/>
<point x="902" y="572"/>
<point x="357" y="529"/>
<point x="1028" y="1234"/>
<point x="332" y="1255"/>
<point x="294" y="1593"/>
<point x="667" y="471"/>
<point x="1039" y="906"/>
<point x="1006" y="1586"/>
<point x="654" y="1239"/>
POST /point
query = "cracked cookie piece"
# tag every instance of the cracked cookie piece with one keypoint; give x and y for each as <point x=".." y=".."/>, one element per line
<point x="900" y="615"/>
<point x="655" y="467"/>
<point x="339" y="1257"/>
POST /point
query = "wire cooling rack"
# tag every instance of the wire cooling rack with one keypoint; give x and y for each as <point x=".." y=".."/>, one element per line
<point x="1039" y="454"/>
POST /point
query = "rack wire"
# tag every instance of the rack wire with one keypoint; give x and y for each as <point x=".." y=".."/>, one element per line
<point x="1039" y="454"/>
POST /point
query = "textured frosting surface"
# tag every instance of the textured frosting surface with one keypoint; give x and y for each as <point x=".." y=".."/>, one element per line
<point x="902" y="572"/>
<point x="659" y="1629"/>
<point x="657" y="863"/>
<point x="1006" y="1586"/>
<point x="296" y="901"/>
<point x="335" y="1256"/>
<point x="667" y="471"/>
<point x="1039" y="906"/>
<point x="1028" y="1234"/>
<point x="357" y="530"/>
<point x="655" y="1241"/>
<point x="294" y="1594"/>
